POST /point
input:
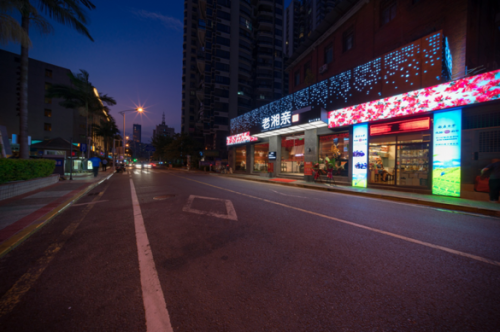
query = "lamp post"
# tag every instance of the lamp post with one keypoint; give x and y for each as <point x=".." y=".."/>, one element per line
<point x="140" y="110"/>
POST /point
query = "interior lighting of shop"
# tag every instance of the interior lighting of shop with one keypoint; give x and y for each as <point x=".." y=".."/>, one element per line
<point x="292" y="129"/>
<point x="401" y="126"/>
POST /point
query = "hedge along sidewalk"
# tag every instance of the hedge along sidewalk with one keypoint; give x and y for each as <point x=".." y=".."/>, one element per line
<point x="25" y="169"/>
<point x="17" y="227"/>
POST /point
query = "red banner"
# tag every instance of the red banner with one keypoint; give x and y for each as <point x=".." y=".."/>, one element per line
<point x="308" y="168"/>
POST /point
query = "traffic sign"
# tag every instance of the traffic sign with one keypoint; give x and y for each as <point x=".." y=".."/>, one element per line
<point x="83" y="147"/>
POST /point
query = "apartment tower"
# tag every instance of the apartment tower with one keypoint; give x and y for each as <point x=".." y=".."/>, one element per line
<point x="302" y="17"/>
<point x="232" y="63"/>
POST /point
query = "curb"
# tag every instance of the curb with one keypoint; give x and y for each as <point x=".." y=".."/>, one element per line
<point x="21" y="236"/>
<point x="452" y="207"/>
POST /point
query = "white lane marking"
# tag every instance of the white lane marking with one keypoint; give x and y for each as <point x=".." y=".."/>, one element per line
<point x="401" y="237"/>
<point x="157" y="317"/>
<point x="231" y="212"/>
<point x="287" y="195"/>
<point x="89" y="203"/>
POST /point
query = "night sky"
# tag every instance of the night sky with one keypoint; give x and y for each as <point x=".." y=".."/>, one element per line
<point x="136" y="57"/>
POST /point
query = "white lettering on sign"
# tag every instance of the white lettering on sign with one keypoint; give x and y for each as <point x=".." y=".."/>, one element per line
<point x="275" y="120"/>
<point x="265" y="123"/>
<point x="285" y="118"/>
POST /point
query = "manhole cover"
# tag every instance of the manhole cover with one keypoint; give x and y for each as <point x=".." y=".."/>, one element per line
<point x="162" y="197"/>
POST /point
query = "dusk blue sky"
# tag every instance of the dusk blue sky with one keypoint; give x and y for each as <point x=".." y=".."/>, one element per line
<point x="136" y="57"/>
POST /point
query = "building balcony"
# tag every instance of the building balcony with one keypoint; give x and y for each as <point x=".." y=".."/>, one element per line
<point x="201" y="36"/>
<point x="201" y="65"/>
<point x="266" y="2"/>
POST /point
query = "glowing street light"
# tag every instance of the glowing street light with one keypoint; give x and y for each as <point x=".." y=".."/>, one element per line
<point x="140" y="110"/>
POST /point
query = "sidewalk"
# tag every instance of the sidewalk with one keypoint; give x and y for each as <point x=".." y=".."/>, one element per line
<point x="442" y="202"/>
<point x="24" y="214"/>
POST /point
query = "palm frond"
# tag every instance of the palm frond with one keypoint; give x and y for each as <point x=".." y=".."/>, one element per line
<point x="11" y="31"/>
<point x="68" y="12"/>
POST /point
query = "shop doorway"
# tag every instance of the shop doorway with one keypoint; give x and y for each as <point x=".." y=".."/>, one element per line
<point x="400" y="160"/>
<point x="292" y="154"/>
<point x="241" y="158"/>
<point x="260" y="157"/>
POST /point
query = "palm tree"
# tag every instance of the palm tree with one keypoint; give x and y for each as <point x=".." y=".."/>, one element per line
<point x="107" y="130"/>
<point x="67" y="12"/>
<point x="81" y="93"/>
<point x="10" y="30"/>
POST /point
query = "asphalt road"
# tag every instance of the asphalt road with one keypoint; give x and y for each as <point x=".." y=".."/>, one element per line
<point x="235" y="255"/>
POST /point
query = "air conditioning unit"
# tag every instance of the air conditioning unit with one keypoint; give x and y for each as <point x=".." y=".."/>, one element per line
<point x="323" y="68"/>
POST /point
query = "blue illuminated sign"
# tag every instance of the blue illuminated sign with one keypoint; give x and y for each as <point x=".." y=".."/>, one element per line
<point x="446" y="172"/>
<point x="360" y="155"/>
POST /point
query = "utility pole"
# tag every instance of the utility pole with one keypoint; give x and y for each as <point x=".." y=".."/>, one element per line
<point x="71" y="159"/>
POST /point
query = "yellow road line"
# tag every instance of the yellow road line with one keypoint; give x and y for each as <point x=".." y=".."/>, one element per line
<point x="408" y="239"/>
<point x="27" y="280"/>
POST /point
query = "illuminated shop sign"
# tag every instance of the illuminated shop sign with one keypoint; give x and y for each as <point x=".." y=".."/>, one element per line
<point x="277" y="121"/>
<point x="360" y="155"/>
<point x="272" y="155"/>
<point x="401" y="126"/>
<point x="240" y="138"/>
<point x="446" y="175"/>
<point x="466" y="91"/>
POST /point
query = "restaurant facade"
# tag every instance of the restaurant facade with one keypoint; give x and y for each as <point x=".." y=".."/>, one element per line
<point x="398" y="122"/>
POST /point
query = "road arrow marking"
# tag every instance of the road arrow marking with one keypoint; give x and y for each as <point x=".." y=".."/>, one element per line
<point x="231" y="213"/>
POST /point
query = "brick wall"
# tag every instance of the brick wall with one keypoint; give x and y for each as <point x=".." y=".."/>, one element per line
<point x="371" y="40"/>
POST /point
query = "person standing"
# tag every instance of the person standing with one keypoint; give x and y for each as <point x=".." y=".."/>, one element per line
<point x="104" y="164"/>
<point x="95" y="165"/>
<point x="493" y="170"/>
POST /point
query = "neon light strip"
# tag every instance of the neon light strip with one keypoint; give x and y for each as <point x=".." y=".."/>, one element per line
<point x="466" y="91"/>
<point x="404" y="126"/>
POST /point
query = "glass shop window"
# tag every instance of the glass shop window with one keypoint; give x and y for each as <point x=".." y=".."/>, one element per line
<point x="260" y="157"/>
<point x="334" y="153"/>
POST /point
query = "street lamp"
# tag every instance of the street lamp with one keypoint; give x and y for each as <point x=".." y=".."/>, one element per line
<point x="140" y="110"/>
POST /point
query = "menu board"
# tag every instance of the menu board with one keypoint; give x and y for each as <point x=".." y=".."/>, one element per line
<point x="446" y="173"/>
<point x="360" y="155"/>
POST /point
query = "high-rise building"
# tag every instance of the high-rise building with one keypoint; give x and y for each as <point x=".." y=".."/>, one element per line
<point x="163" y="130"/>
<point x="302" y="17"/>
<point x="136" y="136"/>
<point x="232" y="63"/>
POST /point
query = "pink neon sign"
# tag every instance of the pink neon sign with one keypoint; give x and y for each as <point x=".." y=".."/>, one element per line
<point x="240" y="138"/>
<point x="466" y="91"/>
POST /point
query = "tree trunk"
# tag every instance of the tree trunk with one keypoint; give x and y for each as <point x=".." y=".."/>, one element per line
<point x="23" y="96"/>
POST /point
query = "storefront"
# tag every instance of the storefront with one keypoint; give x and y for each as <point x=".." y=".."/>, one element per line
<point x="411" y="141"/>
<point x="399" y="153"/>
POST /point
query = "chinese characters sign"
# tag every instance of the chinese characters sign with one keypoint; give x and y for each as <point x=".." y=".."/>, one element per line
<point x="446" y="175"/>
<point x="360" y="155"/>
<point x="240" y="138"/>
<point x="276" y="121"/>
<point x="470" y="90"/>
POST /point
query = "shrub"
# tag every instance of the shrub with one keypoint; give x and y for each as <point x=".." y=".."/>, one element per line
<point x="22" y="169"/>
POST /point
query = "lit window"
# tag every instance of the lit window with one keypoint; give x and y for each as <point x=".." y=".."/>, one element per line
<point x="48" y="73"/>
<point x="48" y="113"/>
<point x="48" y="127"/>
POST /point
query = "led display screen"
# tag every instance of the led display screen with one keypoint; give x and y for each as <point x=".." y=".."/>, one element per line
<point x="401" y="126"/>
<point x="240" y="138"/>
<point x="446" y="173"/>
<point x="466" y="91"/>
<point x="360" y="155"/>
